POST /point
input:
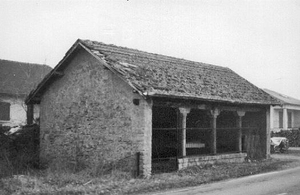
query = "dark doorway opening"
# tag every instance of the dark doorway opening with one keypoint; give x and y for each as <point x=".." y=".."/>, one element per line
<point x="198" y="132"/>
<point x="227" y="132"/>
<point x="164" y="139"/>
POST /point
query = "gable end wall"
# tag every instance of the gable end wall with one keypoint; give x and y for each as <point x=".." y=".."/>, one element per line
<point x="88" y="118"/>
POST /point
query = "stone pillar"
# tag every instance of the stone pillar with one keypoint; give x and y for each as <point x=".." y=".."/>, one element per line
<point x="285" y="119"/>
<point x="268" y="133"/>
<point x="271" y="117"/>
<point x="146" y="153"/>
<point x="214" y="113"/>
<point x="239" y="133"/>
<point x="183" y="113"/>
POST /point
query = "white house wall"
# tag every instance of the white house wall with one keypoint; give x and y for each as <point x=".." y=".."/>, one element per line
<point x="275" y="119"/>
<point x="295" y="114"/>
<point x="297" y="118"/>
<point x="17" y="111"/>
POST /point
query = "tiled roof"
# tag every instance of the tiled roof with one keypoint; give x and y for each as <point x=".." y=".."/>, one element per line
<point x="159" y="75"/>
<point x="284" y="99"/>
<point x="19" y="78"/>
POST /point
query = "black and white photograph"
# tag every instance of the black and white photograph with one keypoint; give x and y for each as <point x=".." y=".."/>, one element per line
<point x="149" y="97"/>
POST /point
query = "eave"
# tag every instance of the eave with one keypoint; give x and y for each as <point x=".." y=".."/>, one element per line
<point x="210" y="100"/>
<point x="35" y="95"/>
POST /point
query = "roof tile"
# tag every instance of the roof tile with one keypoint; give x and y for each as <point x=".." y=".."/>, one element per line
<point x="155" y="74"/>
<point x="18" y="78"/>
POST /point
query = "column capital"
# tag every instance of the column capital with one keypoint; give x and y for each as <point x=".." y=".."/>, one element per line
<point x="215" y="112"/>
<point x="184" y="110"/>
<point x="241" y="113"/>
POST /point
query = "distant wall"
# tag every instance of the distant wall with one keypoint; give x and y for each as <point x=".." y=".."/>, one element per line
<point x="17" y="111"/>
<point x="297" y="118"/>
<point x="276" y="119"/>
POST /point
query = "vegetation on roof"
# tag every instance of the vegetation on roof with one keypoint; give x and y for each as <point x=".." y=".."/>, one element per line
<point x="159" y="75"/>
<point x="154" y="74"/>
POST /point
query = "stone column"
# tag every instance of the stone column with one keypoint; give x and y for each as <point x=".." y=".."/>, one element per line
<point x="183" y="113"/>
<point x="146" y="153"/>
<point x="268" y="133"/>
<point x="271" y="117"/>
<point x="285" y="119"/>
<point x="239" y="133"/>
<point x="214" y="113"/>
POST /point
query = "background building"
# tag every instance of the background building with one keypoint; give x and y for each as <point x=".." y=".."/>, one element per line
<point x="16" y="81"/>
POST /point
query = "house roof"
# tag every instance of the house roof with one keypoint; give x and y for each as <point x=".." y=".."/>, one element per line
<point x="159" y="75"/>
<point x="284" y="99"/>
<point x="19" y="78"/>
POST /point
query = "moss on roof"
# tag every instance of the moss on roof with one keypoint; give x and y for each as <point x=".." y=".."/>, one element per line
<point x="159" y="75"/>
<point x="164" y="76"/>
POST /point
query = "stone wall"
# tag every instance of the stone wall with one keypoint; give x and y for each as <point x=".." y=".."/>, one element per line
<point x="203" y="160"/>
<point x="88" y="118"/>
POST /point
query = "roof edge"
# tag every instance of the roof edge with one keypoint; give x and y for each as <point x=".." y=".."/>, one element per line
<point x="104" y="62"/>
<point x="209" y="100"/>
<point x="30" y="98"/>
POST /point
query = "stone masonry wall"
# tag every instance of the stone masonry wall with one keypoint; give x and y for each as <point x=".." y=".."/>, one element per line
<point x="88" y="118"/>
<point x="203" y="160"/>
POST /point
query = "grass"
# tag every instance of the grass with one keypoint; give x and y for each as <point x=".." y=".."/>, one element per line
<point x="64" y="182"/>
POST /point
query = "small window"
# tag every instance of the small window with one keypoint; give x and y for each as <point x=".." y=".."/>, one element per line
<point x="4" y="111"/>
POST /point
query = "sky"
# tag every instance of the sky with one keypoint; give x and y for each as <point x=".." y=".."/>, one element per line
<point x="258" y="39"/>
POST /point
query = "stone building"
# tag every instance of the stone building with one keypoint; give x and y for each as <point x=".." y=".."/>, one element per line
<point x="17" y="79"/>
<point x="102" y="103"/>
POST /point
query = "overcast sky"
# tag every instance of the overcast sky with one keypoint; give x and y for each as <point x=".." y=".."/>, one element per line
<point x="259" y="40"/>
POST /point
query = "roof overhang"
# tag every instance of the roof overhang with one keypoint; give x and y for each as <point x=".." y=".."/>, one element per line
<point x="212" y="100"/>
<point x="35" y="95"/>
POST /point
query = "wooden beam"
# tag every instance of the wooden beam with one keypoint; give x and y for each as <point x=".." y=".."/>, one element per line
<point x="200" y="106"/>
<point x="29" y="114"/>
<point x="236" y="108"/>
<point x="36" y="99"/>
<point x="57" y="73"/>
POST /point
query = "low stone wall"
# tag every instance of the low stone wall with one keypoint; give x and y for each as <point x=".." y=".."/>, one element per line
<point x="202" y="160"/>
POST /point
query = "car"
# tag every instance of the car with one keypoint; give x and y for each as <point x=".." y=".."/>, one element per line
<point x="279" y="144"/>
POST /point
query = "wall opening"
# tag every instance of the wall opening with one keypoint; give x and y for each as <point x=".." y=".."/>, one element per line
<point x="164" y="132"/>
<point x="227" y="132"/>
<point x="198" y="133"/>
<point x="164" y="139"/>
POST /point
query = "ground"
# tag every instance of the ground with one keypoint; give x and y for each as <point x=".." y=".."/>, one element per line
<point x="83" y="183"/>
